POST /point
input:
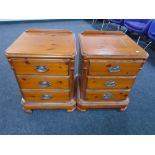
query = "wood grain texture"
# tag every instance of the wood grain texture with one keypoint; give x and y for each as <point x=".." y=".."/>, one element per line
<point x="28" y="66"/>
<point x="83" y="105"/>
<point x="36" y="96"/>
<point x="43" y="42"/>
<point x="43" y="63"/>
<point x="72" y="81"/>
<point x="29" y="106"/>
<point x="82" y="78"/>
<point x="94" y="105"/>
<point x="109" y="45"/>
<point x="33" y="82"/>
<point x="126" y="67"/>
<point x="99" y="95"/>
<point x="101" y="82"/>
<point x="110" y="64"/>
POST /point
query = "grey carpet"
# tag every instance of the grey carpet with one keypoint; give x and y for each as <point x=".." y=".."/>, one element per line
<point x="138" y="119"/>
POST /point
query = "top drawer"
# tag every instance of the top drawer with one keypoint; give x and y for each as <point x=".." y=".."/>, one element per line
<point x="40" y="66"/>
<point x="115" y="67"/>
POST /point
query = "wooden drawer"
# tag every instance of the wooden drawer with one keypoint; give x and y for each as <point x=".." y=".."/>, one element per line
<point x="43" y="82"/>
<point x="106" y="95"/>
<point x="115" y="67"/>
<point x="40" y="66"/>
<point x="45" y="96"/>
<point x="110" y="82"/>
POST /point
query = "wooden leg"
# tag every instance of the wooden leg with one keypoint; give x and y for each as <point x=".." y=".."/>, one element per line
<point x="81" y="109"/>
<point x="123" y="109"/>
<point x="71" y="110"/>
<point x="27" y="110"/>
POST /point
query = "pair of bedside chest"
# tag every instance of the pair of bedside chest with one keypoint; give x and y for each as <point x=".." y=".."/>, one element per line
<point x="44" y="61"/>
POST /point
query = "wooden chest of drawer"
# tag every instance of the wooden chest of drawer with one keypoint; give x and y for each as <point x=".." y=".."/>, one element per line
<point x="110" y="62"/>
<point x="43" y="62"/>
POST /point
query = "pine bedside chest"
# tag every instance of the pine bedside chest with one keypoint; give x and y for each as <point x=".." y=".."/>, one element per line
<point x="43" y="62"/>
<point x="110" y="62"/>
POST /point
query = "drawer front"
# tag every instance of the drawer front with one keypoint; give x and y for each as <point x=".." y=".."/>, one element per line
<point x="110" y="82"/>
<point x="114" y="67"/>
<point x="43" y="82"/>
<point x="46" y="96"/>
<point x="106" y="95"/>
<point x="40" y="67"/>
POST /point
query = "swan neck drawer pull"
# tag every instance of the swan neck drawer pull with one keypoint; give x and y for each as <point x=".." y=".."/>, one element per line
<point x="107" y="96"/>
<point x="110" y="84"/>
<point x="46" y="97"/>
<point x="41" y="69"/>
<point x="44" y="84"/>
<point x="114" y="69"/>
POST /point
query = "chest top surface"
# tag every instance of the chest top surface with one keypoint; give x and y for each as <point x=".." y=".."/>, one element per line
<point x="43" y="42"/>
<point x="109" y="44"/>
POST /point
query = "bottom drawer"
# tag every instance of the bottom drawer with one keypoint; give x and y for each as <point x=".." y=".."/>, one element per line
<point x="106" y="95"/>
<point x="46" y="96"/>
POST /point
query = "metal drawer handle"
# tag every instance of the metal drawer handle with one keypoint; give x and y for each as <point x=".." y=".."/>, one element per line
<point x="46" y="97"/>
<point x="114" y="69"/>
<point x="44" y="84"/>
<point x="107" y="96"/>
<point x="110" y="84"/>
<point x="41" y="68"/>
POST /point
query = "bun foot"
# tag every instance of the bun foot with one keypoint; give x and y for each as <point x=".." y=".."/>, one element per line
<point x="27" y="110"/>
<point x="123" y="109"/>
<point x="71" y="110"/>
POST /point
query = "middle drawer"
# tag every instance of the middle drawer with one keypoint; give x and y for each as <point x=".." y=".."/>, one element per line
<point x="43" y="82"/>
<point x="110" y="82"/>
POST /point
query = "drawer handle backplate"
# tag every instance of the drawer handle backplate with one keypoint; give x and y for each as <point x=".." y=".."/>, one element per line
<point x="41" y="69"/>
<point x="46" y="97"/>
<point x="114" y="69"/>
<point x="107" y="96"/>
<point x="110" y="84"/>
<point x="44" y="84"/>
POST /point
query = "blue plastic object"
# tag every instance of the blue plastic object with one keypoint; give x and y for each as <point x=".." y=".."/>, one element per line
<point x="151" y="31"/>
<point x="140" y="26"/>
<point x="117" y="21"/>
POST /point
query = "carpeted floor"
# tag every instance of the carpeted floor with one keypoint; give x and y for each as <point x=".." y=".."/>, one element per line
<point x="138" y="119"/>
